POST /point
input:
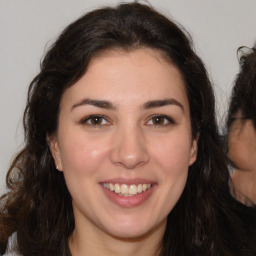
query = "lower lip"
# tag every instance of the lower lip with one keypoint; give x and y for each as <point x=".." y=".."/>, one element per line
<point x="129" y="201"/>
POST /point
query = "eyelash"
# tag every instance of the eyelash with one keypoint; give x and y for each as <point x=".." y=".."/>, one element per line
<point x="167" y="120"/>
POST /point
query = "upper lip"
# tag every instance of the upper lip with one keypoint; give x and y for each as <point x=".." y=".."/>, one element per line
<point x="134" y="181"/>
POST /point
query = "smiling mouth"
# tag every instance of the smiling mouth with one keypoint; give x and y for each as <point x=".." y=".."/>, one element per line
<point x="127" y="190"/>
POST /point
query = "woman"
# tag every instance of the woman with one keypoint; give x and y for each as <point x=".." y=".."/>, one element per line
<point x="241" y="126"/>
<point x="122" y="152"/>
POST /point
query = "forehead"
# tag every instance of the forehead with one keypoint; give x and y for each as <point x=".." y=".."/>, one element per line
<point x="129" y="76"/>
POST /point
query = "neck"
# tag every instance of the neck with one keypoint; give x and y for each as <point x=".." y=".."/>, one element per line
<point x="93" y="241"/>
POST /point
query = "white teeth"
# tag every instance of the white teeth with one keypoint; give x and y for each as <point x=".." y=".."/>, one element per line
<point x="132" y="190"/>
<point x="106" y="185"/>
<point x="111" y="187"/>
<point x="124" y="189"/>
<point x="117" y="188"/>
<point x="127" y="190"/>
<point x="139" y="188"/>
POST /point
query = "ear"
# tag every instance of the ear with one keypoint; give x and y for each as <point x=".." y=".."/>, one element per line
<point x="193" y="151"/>
<point x="54" y="148"/>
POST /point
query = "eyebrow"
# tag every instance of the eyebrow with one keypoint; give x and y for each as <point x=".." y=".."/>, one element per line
<point x="108" y="105"/>
<point x="97" y="103"/>
<point x="162" y="103"/>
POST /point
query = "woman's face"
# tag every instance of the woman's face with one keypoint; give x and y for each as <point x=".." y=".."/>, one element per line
<point x="124" y="143"/>
<point x="242" y="143"/>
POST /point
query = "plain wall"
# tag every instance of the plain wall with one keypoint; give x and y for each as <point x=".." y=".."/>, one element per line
<point x="218" y="28"/>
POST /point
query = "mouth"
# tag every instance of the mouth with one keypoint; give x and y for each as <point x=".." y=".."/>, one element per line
<point x="128" y="193"/>
<point x="127" y="190"/>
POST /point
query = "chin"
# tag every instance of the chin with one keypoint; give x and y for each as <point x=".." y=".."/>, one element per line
<point x="128" y="230"/>
<point x="130" y="234"/>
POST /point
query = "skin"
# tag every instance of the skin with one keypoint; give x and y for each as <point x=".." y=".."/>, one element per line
<point x="128" y="143"/>
<point x="242" y="150"/>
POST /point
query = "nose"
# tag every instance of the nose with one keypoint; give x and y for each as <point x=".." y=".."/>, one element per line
<point x="129" y="148"/>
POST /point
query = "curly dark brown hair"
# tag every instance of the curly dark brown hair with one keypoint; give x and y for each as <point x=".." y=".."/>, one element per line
<point x="38" y="207"/>
<point x="243" y="97"/>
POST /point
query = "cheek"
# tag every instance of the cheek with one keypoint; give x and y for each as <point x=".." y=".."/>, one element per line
<point x="172" y="162"/>
<point x="239" y="153"/>
<point x="173" y="155"/>
<point x="82" y="154"/>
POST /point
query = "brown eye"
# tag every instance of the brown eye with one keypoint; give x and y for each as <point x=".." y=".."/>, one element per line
<point x="95" y="120"/>
<point x="160" y="120"/>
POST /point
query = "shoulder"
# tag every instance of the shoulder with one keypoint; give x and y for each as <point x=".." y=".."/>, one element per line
<point x="11" y="246"/>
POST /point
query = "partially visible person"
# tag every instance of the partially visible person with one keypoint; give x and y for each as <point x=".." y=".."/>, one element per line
<point x="241" y="129"/>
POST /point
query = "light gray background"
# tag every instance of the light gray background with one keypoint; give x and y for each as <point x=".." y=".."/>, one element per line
<point x="218" y="28"/>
